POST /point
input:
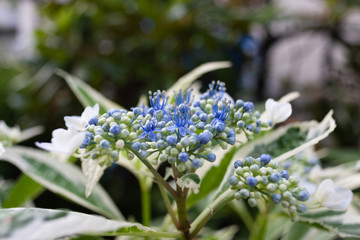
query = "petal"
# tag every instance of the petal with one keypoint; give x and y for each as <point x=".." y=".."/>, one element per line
<point x="74" y="142"/>
<point x="90" y="112"/>
<point x="152" y="136"/>
<point x="339" y="200"/>
<point x="76" y="122"/>
<point x="2" y="149"/>
<point x="47" y="146"/>
<point x="322" y="190"/>
<point x="60" y="137"/>
<point x="143" y="135"/>
<point x="182" y="131"/>
<point x="171" y="128"/>
<point x="269" y="105"/>
<point x="281" y="112"/>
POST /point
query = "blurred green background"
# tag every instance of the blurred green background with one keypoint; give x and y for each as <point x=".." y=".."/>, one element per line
<point x="126" y="48"/>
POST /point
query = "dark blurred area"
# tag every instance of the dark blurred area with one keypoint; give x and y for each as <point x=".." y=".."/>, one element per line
<point x="126" y="48"/>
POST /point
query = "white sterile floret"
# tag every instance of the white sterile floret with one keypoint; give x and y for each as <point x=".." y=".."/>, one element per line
<point x="333" y="197"/>
<point x="79" y="123"/>
<point x="13" y="133"/>
<point x="277" y="112"/>
<point x="2" y="149"/>
<point x="64" y="141"/>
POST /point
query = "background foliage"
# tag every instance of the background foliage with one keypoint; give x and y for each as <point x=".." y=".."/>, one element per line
<point x="125" y="48"/>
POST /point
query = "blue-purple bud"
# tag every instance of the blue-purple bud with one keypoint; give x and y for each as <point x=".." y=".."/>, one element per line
<point x="301" y="208"/>
<point x="233" y="180"/>
<point x="285" y="174"/>
<point x="251" y="181"/>
<point x="93" y="121"/>
<point x="276" y="198"/>
<point x="195" y="163"/>
<point x="112" y="111"/>
<point x="248" y="106"/>
<point x="183" y="156"/>
<point x="171" y="140"/>
<point x="104" y="144"/>
<point x="238" y="163"/>
<point x="275" y="177"/>
<point x="115" y="129"/>
<point x="211" y="157"/>
<point x="265" y="159"/>
<point x="204" y="138"/>
<point x="136" y="146"/>
<point x="303" y="196"/>
<point x="203" y="117"/>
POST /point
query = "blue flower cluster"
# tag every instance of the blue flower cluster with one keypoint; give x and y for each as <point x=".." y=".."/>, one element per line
<point x="257" y="178"/>
<point x="183" y="132"/>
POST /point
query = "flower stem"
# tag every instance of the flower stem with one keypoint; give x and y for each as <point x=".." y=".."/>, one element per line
<point x="145" y="202"/>
<point x="157" y="176"/>
<point x="168" y="206"/>
<point x="184" y="223"/>
<point x="210" y="211"/>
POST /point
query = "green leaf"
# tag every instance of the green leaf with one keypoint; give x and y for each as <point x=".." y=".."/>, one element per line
<point x="185" y="81"/>
<point x="339" y="223"/>
<point x="303" y="231"/>
<point x="277" y="224"/>
<point x="211" y="179"/>
<point x="25" y="189"/>
<point x="60" y="177"/>
<point x="36" y="223"/>
<point x="86" y="94"/>
<point x="226" y="233"/>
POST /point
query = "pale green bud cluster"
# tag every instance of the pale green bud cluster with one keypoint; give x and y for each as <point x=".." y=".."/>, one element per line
<point x="259" y="178"/>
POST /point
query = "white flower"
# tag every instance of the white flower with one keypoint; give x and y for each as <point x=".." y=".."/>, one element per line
<point x="12" y="133"/>
<point x="277" y="112"/>
<point x="2" y="149"/>
<point x="333" y="197"/>
<point x="79" y="123"/>
<point x="64" y="141"/>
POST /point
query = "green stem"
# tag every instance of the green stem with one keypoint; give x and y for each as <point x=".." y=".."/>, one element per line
<point x="158" y="177"/>
<point x="184" y="223"/>
<point x="210" y="211"/>
<point x="168" y="206"/>
<point x="145" y="202"/>
<point x="259" y="228"/>
<point x="239" y="207"/>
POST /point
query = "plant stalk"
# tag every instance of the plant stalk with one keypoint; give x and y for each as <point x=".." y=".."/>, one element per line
<point x="157" y="176"/>
<point x="145" y="202"/>
<point x="210" y="211"/>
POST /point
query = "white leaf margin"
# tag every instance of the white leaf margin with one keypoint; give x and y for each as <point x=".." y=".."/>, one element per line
<point x="46" y="225"/>
<point x="186" y="80"/>
<point x="13" y="155"/>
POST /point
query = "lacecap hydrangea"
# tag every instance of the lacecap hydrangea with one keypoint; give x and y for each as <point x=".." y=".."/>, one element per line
<point x="176" y="129"/>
